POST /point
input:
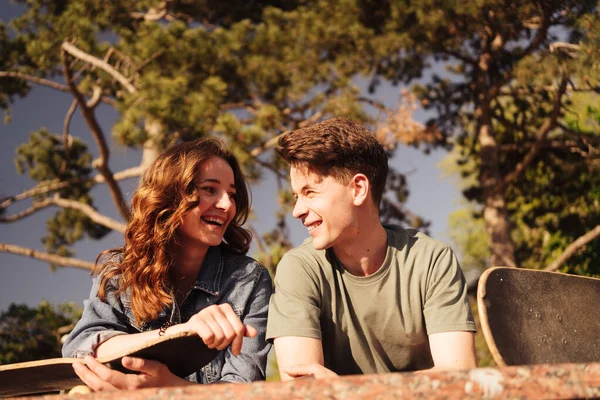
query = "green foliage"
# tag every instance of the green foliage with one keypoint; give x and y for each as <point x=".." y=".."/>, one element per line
<point x="251" y="71"/>
<point x="28" y="334"/>
<point x="503" y="66"/>
<point x="467" y="234"/>
<point x="10" y="55"/>
<point x="466" y="228"/>
<point x="272" y="368"/>
<point x="246" y="72"/>
<point x="46" y="159"/>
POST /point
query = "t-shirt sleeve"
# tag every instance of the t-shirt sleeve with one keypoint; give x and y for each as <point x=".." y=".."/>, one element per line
<point x="295" y="305"/>
<point x="446" y="305"/>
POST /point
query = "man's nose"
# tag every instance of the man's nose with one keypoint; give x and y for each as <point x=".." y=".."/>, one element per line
<point x="299" y="209"/>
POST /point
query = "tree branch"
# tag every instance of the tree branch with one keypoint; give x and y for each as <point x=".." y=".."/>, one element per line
<point x="464" y="58"/>
<point x="546" y="127"/>
<point x="128" y="173"/>
<point x="66" y="136"/>
<point x="554" y="144"/>
<point x="88" y="210"/>
<point x="47" y="82"/>
<point x="42" y="188"/>
<point x="309" y="121"/>
<point x="92" y="123"/>
<point x="378" y="105"/>
<point x="233" y="106"/>
<point x="267" y="145"/>
<point x="573" y="247"/>
<point x="96" y="96"/>
<point x="149" y="60"/>
<point x="567" y="48"/>
<point x="35" y="79"/>
<point x="542" y="31"/>
<point x="38" y="205"/>
<point x="82" y="55"/>
<point x="51" y="186"/>
<point x="153" y="13"/>
<point x="584" y="138"/>
<point x="67" y="122"/>
<point x="273" y="141"/>
<point x="51" y="258"/>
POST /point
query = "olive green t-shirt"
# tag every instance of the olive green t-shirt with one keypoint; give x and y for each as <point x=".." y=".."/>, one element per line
<point x="378" y="323"/>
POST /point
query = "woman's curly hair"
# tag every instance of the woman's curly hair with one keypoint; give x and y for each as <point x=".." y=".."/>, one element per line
<point x="167" y="191"/>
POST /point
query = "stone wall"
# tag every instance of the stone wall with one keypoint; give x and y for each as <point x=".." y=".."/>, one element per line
<point x="558" y="381"/>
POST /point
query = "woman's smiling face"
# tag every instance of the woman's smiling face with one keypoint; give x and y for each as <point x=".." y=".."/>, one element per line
<point x="206" y="224"/>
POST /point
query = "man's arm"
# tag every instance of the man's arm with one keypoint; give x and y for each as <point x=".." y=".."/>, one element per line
<point x="453" y="350"/>
<point x="300" y="356"/>
<point x="448" y="316"/>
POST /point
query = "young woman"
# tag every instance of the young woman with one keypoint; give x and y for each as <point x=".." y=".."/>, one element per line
<point x="182" y="268"/>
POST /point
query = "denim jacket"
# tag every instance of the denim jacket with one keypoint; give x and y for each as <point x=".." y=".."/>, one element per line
<point x="223" y="278"/>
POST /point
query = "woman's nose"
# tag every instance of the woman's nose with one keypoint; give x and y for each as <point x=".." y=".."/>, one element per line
<point x="224" y="202"/>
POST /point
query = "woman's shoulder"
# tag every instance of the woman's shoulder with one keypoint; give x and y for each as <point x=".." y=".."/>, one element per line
<point x="110" y="277"/>
<point x="240" y="265"/>
<point x="240" y="261"/>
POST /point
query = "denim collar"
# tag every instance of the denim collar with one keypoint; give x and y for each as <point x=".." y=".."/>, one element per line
<point x="209" y="277"/>
<point x="208" y="280"/>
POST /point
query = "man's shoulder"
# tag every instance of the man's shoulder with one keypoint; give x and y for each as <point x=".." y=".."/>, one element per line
<point x="413" y="239"/>
<point x="305" y="257"/>
<point x="416" y="249"/>
<point x="306" y="251"/>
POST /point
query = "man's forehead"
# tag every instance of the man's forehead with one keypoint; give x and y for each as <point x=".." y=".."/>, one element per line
<point x="306" y="175"/>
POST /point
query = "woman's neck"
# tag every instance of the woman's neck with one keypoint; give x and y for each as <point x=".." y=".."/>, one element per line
<point x="187" y="263"/>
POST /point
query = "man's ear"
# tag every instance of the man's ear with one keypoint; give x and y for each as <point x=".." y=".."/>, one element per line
<point x="360" y="189"/>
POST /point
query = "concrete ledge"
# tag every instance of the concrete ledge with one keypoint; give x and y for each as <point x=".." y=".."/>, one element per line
<point x="558" y="381"/>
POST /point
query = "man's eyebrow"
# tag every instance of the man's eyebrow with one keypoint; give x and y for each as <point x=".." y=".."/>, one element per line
<point x="214" y="180"/>
<point x="302" y="190"/>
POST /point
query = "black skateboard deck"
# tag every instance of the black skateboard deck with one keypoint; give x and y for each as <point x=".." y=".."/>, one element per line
<point x="539" y="317"/>
<point x="183" y="353"/>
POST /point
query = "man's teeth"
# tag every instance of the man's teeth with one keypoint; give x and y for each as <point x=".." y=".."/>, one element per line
<point x="313" y="226"/>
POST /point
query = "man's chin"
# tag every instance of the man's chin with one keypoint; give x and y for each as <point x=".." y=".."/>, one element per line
<point x="319" y="245"/>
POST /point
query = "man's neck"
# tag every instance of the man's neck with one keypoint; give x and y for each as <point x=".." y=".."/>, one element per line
<point x="365" y="253"/>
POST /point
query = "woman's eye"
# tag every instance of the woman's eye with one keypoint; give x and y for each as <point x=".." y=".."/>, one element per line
<point x="231" y="196"/>
<point x="208" y="189"/>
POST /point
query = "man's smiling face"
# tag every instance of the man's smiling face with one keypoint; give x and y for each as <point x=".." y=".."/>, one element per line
<point x="324" y="205"/>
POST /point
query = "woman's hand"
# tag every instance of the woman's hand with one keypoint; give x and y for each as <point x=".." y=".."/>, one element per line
<point x="99" y="377"/>
<point x="218" y="326"/>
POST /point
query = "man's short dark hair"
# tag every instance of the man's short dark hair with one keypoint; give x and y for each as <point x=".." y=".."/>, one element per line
<point x="337" y="147"/>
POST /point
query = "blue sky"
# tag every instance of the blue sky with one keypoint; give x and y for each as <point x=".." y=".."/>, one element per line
<point x="25" y="280"/>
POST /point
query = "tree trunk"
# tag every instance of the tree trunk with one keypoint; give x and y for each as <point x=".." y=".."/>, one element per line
<point x="497" y="224"/>
<point x="155" y="143"/>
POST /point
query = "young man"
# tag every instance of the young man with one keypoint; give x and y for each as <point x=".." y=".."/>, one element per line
<point x="359" y="297"/>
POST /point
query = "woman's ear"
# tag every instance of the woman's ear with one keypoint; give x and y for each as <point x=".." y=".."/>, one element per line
<point x="360" y="189"/>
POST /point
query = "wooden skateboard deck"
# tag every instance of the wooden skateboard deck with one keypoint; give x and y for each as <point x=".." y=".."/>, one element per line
<point x="183" y="353"/>
<point x="539" y="317"/>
